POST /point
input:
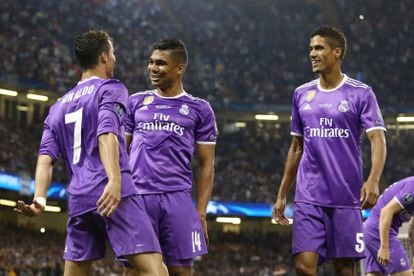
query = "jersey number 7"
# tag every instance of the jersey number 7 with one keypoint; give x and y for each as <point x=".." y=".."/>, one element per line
<point x="76" y="117"/>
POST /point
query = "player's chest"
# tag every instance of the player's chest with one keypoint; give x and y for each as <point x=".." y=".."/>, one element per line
<point x="332" y="106"/>
<point x="166" y="113"/>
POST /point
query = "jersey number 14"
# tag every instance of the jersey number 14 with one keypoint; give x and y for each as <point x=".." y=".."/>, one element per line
<point x="195" y="237"/>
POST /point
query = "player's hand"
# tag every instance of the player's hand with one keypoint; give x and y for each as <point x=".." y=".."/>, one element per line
<point x="279" y="211"/>
<point x="31" y="210"/>
<point x="205" y="229"/>
<point x="110" y="198"/>
<point x="369" y="194"/>
<point x="383" y="256"/>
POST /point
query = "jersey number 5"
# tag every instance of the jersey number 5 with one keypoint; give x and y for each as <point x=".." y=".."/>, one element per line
<point x="76" y="117"/>
<point x="360" y="245"/>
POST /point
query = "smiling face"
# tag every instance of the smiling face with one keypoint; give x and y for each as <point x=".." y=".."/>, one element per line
<point x="164" y="71"/>
<point x="323" y="56"/>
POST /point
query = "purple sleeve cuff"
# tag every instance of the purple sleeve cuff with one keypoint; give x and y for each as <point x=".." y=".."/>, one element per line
<point x="108" y="121"/>
<point x="48" y="145"/>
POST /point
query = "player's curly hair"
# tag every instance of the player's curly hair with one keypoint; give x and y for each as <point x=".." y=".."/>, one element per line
<point x="89" y="46"/>
<point x="334" y="37"/>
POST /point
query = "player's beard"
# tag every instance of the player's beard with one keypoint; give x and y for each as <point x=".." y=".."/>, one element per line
<point x="162" y="83"/>
<point x="316" y="70"/>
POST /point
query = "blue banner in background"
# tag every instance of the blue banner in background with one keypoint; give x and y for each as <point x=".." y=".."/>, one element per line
<point x="17" y="183"/>
<point x="239" y="209"/>
<point x="217" y="208"/>
<point x="259" y="210"/>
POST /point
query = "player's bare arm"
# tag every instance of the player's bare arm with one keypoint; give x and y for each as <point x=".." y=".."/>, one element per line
<point x="43" y="178"/>
<point x="411" y="232"/>
<point x="387" y="214"/>
<point x="109" y="153"/>
<point x="370" y="189"/>
<point x="291" y="168"/>
<point x="411" y="238"/>
<point x="205" y="176"/>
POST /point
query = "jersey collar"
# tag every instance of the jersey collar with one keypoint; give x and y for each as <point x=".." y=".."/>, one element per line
<point x="88" y="79"/>
<point x="333" y="89"/>
<point x="175" y="97"/>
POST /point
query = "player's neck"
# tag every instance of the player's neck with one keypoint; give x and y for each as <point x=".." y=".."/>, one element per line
<point x="93" y="73"/>
<point x="331" y="79"/>
<point x="171" y="91"/>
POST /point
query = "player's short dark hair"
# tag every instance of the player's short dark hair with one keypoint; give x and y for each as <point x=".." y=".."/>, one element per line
<point x="89" y="46"/>
<point x="334" y="37"/>
<point x="175" y="46"/>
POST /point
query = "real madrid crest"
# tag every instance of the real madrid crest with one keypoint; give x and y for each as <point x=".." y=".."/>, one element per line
<point x="184" y="109"/>
<point x="148" y="100"/>
<point x="402" y="262"/>
<point x="310" y="95"/>
<point x="343" y="106"/>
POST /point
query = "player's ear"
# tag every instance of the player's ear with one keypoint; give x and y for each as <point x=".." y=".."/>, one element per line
<point x="338" y="52"/>
<point x="181" y="68"/>
<point x="103" y="58"/>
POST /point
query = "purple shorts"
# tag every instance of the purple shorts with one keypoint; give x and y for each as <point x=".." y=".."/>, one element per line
<point x="128" y="230"/>
<point x="330" y="232"/>
<point x="177" y="225"/>
<point x="398" y="257"/>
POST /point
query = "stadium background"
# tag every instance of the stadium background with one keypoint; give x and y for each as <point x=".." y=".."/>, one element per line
<point x="246" y="58"/>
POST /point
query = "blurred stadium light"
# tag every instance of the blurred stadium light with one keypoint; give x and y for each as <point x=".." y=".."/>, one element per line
<point x="7" y="202"/>
<point x="405" y="119"/>
<point x="37" y="97"/>
<point x="266" y="117"/>
<point x="8" y="92"/>
<point x="232" y="220"/>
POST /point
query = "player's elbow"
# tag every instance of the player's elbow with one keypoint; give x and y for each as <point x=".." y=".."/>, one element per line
<point x="44" y="160"/>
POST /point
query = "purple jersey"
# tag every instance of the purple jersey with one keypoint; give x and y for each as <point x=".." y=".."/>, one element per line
<point x="165" y="131"/>
<point x="331" y="123"/>
<point x="94" y="107"/>
<point x="403" y="193"/>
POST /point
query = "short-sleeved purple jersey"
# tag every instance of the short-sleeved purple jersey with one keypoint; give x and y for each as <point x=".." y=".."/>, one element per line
<point x="403" y="193"/>
<point x="165" y="131"/>
<point x="331" y="123"/>
<point x="94" y="107"/>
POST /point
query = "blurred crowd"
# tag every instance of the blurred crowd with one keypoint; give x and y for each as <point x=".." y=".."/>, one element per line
<point x="240" y="51"/>
<point x="246" y="254"/>
<point x="250" y="162"/>
<point x="19" y="150"/>
<point x="381" y="42"/>
<point x="28" y="252"/>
